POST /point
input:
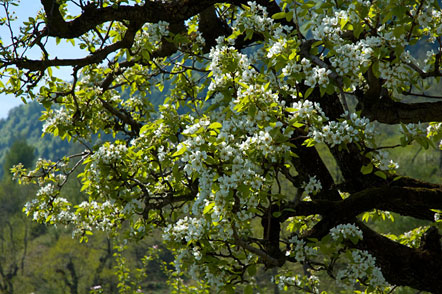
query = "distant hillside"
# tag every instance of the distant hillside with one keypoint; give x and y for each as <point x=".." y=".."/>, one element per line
<point x="23" y="123"/>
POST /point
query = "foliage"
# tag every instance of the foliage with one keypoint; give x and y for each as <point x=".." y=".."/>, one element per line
<point x="227" y="167"/>
<point x="20" y="152"/>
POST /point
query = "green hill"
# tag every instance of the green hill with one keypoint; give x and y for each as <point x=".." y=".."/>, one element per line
<point x="23" y="123"/>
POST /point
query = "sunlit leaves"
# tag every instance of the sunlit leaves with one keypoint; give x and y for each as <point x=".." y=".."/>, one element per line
<point x="203" y="143"/>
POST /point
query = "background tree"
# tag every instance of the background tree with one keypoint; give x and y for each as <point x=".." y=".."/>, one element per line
<point x="14" y="228"/>
<point x="228" y="165"/>
<point x="23" y="123"/>
<point x="20" y="152"/>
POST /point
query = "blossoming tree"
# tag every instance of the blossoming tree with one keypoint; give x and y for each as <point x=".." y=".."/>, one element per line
<point x="227" y="165"/>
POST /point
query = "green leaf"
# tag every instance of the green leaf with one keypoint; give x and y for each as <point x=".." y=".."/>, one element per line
<point x="308" y="5"/>
<point x="381" y="174"/>
<point x="305" y="27"/>
<point x="293" y="54"/>
<point x="388" y="16"/>
<point x="423" y="142"/>
<point x="145" y="54"/>
<point x="180" y="151"/>
<point x="279" y="15"/>
<point x="354" y="240"/>
<point x="308" y="92"/>
<point x="309" y="142"/>
<point x="366" y="217"/>
<point x="252" y="270"/>
<point x="209" y="208"/>
<point x="229" y="289"/>
<point x="375" y="69"/>
<point x="297" y="124"/>
<point x="343" y="22"/>
<point x="367" y="169"/>
<point x="277" y="214"/>
<point x="249" y="35"/>
<point x="215" y="125"/>
<point x="248" y="289"/>
<point x="357" y="30"/>
<point x="252" y="110"/>
<point x="289" y="16"/>
<point x="144" y="129"/>
<point x="403" y="141"/>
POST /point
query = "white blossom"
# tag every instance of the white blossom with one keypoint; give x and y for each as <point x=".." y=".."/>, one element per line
<point x="346" y="231"/>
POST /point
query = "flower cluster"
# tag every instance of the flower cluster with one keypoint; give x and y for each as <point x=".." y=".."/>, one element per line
<point x="412" y="238"/>
<point x="91" y="215"/>
<point x="362" y="265"/>
<point x="395" y="75"/>
<point x="434" y="129"/>
<point x="312" y="187"/>
<point x="299" y="250"/>
<point x="351" y="58"/>
<point x="291" y="68"/>
<point x="307" y="111"/>
<point x="413" y="131"/>
<point x="310" y="282"/>
<point x="109" y="153"/>
<point x="155" y="31"/>
<point x="56" y="119"/>
<point x="255" y="18"/>
<point x="58" y="211"/>
<point x="382" y="161"/>
<point x="214" y="277"/>
<point x="231" y="150"/>
<point x="317" y="76"/>
<point x="430" y="20"/>
<point x="345" y="232"/>
<point x="226" y="64"/>
<point x="314" y="75"/>
<point x="276" y="48"/>
<point x="351" y="129"/>
<point x="327" y="27"/>
<point x="187" y="228"/>
<point x="48" y="190"/>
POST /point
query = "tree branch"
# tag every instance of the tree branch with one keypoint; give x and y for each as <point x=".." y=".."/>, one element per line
<point x="402" y="265"/>
<point x="410" y="201"/>
<point x="97" y="57"/>
<point x="267" y="259"/>
<point x="92" y="16"/>
<point x="387" y="111"/>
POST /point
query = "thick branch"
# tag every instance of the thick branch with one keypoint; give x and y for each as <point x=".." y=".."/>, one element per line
<point x="411" y="201"/>
<point x="402" y="265"/>
<point x="387" y="111"/>
<point x="150" y="12"/>
<point x="376" y="104"/>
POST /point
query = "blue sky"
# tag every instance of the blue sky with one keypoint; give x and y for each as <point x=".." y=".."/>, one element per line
<point x="25" y="9"/>
<point x="6" y="103"/>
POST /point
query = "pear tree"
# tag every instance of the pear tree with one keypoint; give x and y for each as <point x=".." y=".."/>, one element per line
<point x="214" y="118"/>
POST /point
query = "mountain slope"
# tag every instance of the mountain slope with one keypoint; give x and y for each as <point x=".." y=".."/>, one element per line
<point x="23" y="123"/>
